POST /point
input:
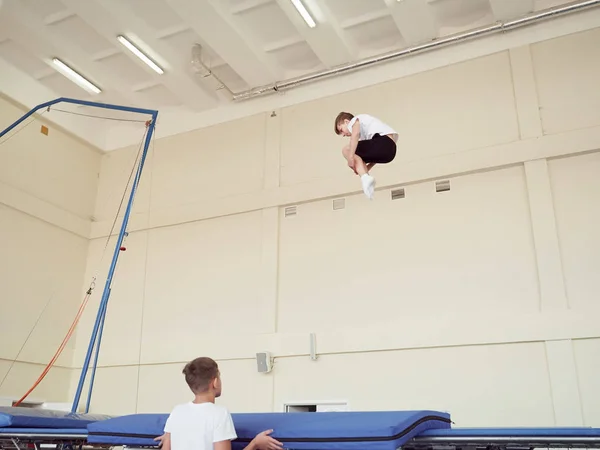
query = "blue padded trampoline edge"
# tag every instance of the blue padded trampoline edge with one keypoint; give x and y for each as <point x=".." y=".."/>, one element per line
<point x="514" y="431"/>
<point x="142" y="429"/>
<point x="396" y="428"/>
<point x="73" y="431"/>
<point x="11" y="417"/>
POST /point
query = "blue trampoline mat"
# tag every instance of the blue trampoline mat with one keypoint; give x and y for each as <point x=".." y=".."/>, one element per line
<point x="513" y="432"/>
<point x="11" y="417"/>
<point x="54" y="431"/>
<point x="386" y="430"/>
<point x="133" y="429"/>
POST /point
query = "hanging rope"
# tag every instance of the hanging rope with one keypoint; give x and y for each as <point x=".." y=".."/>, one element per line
<point x="139" y="152"/>
<point x="137" y="390"/>
<point x="98" y="117"/>
<point x="63" y="343"/>
<point x="33" y="119"/>
<point x="12" y="363"/>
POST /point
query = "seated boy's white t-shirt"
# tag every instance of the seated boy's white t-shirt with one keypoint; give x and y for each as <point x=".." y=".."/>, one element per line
<point x="198" y="426"/>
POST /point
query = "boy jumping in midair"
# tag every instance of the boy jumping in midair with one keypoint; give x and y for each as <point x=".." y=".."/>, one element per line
<point x="371" y="142"/>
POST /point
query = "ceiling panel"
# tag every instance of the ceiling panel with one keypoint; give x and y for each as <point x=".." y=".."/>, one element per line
<point x="44" y="8"/>
<point x="155" y="13"/>
<point x="350" y="9"/>
<point x="462" y="14"/>
<point x="279" y="26"/>
<point x="20" y="57"/>
<point x="376" y="35"/>
<point x="128" y="71"/>
<point x="87" y="38"/>
<point x="297" y="58"/>
<point x="63" y="87"/>
<point x="156" y="94"/>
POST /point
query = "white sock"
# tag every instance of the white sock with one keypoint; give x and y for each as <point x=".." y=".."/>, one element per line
<point x="368" y="184"/>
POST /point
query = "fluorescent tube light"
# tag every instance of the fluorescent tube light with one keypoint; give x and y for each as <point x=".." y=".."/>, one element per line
<point x="75" y="77"/>
<point x="137" y="52"/>
<point x="304" y="13"/>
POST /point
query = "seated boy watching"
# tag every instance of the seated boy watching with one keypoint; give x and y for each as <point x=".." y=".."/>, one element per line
<point x="201" y="424"/>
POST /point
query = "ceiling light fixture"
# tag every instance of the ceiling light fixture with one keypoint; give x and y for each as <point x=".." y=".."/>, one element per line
<point x="75" y="77"/>
<point x="304" y="13"/>
<point x="137" y="52"/>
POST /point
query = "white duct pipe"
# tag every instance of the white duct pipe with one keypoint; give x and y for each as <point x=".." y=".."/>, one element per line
<point x="529" y="19"/>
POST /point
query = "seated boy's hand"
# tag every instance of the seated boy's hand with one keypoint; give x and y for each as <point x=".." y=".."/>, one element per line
<point x="265" y="442"/>
<point x="160" y="440"/>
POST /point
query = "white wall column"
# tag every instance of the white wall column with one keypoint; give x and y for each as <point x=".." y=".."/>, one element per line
<point x="272" y="150"/>
<point x="562" y="370"/>
<point x="564" y="383"/>
<point x="528" y="108"/>
<point x="545" y="236"/>
<point x="269" y="267"/>
<point x="270" y="223"/>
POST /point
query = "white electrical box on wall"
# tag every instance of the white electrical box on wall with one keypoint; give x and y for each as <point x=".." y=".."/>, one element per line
<point x="264" y="362"/>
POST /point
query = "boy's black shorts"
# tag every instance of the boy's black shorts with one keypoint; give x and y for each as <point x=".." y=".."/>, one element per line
<point x="379" y="149"/>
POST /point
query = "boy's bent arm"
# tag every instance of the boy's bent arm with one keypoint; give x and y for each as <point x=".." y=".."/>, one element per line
<point x="226" y="445"/>
<point x="223" y="445"/>
<point x="251" y="446"/>
<point x="166" y="441"/>
<point x="262" y="441"/>
<point x="354" y="139"/>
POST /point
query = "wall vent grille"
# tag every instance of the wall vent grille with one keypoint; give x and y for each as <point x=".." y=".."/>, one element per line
<point x="339" y="203"/>
<point x="290" y="211"/>
<point x="442" y="186"/>
<point x="398" y="193"/>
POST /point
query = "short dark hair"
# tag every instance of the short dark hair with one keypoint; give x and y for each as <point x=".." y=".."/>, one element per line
<point x="199" y="373"/>
<point x="340" y="118"/>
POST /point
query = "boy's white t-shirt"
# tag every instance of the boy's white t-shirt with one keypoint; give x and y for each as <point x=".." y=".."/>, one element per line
<point x="370" y="125"/>
<point x="197" y="426"/>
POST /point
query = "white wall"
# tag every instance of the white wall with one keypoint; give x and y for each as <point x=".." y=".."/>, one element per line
<point x="386" y="255"/>
<point x="47" y="196"/>
<point x="483" y="295"/>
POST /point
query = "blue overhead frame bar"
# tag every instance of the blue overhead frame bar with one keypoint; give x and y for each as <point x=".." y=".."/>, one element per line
<point x="150" y="112"/>
<point x="99" y="323"/>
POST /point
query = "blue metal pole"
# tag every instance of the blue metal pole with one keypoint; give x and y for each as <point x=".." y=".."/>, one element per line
<point x="150" y="112"/>
<point x="105" y="294"/>
<point x="98" y="342"/>
<point x="40" y="106"/>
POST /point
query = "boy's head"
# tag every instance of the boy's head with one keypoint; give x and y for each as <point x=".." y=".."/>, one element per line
<point x="202" y="376"/>
<point x="341" y="123"/>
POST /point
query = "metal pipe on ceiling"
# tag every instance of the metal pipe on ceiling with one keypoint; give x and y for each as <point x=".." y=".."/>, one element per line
<point x="529" y="19"/>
